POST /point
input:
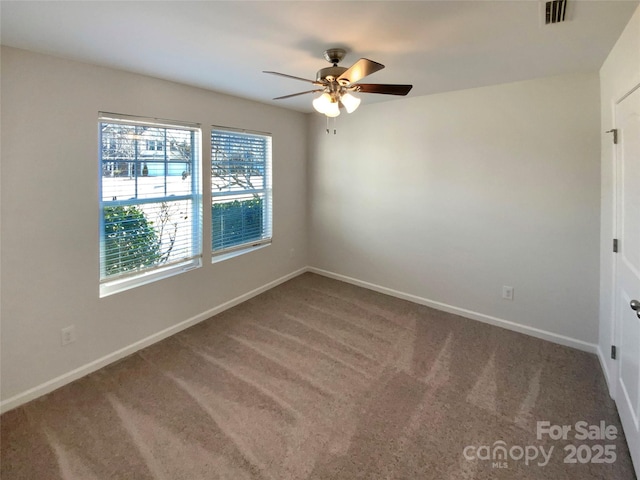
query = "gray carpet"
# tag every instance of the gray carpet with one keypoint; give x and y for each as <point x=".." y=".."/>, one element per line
<point x="318" y="379"/>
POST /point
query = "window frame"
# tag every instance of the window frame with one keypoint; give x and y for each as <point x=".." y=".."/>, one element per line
<point x="266" y="190"/>
<point x="124" y="281"/>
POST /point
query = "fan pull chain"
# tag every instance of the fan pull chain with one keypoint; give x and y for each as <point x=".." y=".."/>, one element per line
<point x="335" y="130"/>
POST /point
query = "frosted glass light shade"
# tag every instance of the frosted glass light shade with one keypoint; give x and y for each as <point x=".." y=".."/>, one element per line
<point x="322" y="103"/>
<point x="350" y="102"/>
<point x="333" y="110"/>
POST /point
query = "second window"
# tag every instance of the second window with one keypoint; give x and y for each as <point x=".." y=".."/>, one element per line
<point x="240" y="190"/>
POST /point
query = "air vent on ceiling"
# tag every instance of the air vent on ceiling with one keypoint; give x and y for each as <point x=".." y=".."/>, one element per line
<point x="555" y="11"/>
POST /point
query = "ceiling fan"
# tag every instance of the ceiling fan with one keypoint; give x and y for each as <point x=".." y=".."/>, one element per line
<point x="338" y="83"/>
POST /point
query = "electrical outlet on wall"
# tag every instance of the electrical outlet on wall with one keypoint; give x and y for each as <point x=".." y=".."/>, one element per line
<point x="507" y="292"/>
<point x="68" y="334"/>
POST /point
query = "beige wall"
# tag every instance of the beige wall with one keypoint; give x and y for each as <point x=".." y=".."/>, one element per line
<point x="619" y="74"/>
<point x="446" y="198"/>
<point x="49" y="207"/>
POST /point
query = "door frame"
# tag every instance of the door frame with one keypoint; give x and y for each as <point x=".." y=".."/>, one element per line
<point x="614" y="334"/>
<point x="615" y="331"/>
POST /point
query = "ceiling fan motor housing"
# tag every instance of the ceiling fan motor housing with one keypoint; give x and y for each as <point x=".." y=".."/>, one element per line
<point x="329" y="73"/>
<point x="334" y="55"/>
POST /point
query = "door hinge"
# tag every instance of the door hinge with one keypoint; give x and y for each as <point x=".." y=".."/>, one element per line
<point x="613" y="352"/>
<point x="615" y="245"/>
<point x="615" y="135"/>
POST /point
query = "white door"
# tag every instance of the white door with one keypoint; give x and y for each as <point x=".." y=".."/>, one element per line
<point x="627" y="289"/>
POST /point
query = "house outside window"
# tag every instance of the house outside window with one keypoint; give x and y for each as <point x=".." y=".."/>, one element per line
<point x="241" y="210"/>
<point x="150" y="200"/>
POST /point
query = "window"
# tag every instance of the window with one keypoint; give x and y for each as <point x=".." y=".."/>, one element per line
<point x="154" y="145"/>
<point x="240" y="190"/>
<point x="149" y="200"/>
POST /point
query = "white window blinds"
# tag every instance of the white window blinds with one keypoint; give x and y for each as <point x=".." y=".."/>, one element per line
<point x="149" y="198"/>
<point x="240" y="189"/>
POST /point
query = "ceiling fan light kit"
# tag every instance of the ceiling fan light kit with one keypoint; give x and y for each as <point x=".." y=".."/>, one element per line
<point x="336" y="84"/>
<point x="328" y="105"/>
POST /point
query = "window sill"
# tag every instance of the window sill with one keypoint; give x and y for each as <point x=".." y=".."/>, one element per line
<point x="225" y="256"/>
<point x="122" y="284"/>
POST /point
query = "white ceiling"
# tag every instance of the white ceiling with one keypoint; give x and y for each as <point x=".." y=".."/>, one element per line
<point x="225" y="45"/>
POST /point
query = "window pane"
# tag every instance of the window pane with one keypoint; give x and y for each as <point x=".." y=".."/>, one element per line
<point x="142" y="236"/>
<point x="237" y="221"/>
<point x="238" y="161"/>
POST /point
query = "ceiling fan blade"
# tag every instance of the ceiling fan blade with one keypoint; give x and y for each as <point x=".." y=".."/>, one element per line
<point x="360" y="69"/>
<point x="296" y="94"/>
<point x="382" y="88"/>
<point x="295" y="78"/>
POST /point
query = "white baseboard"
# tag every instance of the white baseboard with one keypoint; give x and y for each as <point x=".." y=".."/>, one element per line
<point x="605" y="370"/>
<point x="498" y="322"/>
<point x="91" y="367"/>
